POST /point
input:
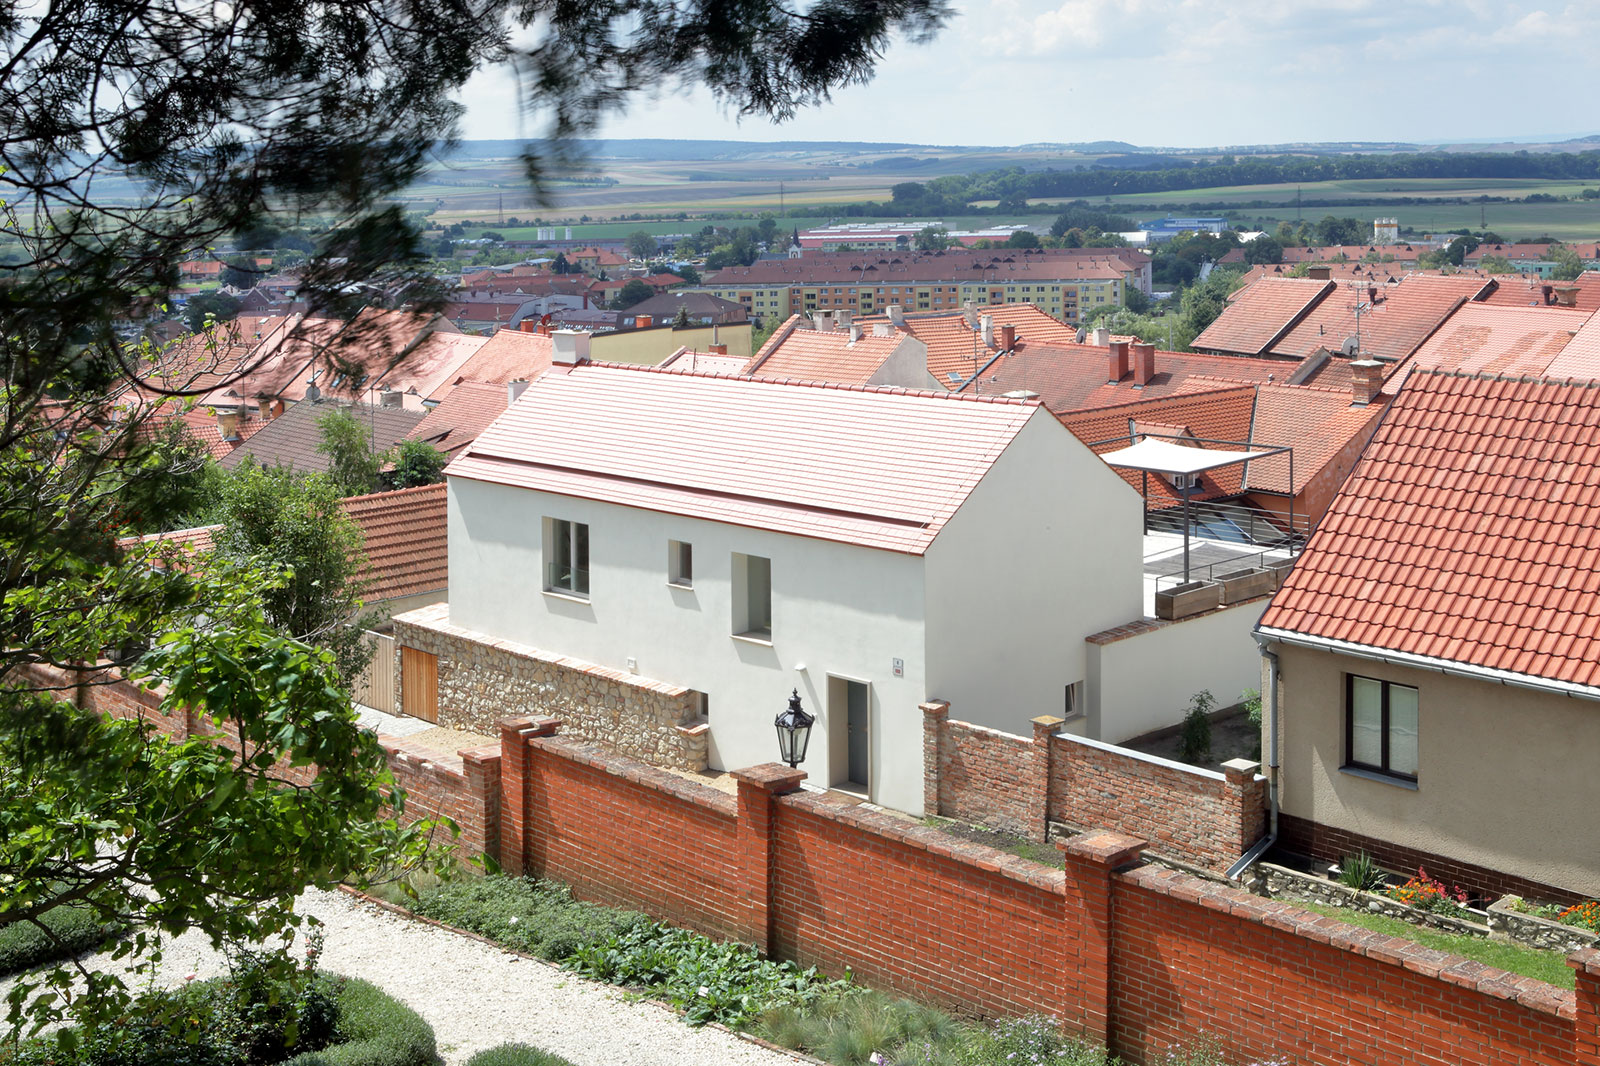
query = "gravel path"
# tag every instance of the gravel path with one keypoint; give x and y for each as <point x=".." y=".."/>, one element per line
<point x="476" y="996"/>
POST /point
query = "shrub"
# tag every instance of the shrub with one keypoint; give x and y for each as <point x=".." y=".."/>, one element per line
<point x="709" y="981"/>
<point x="538" y="917"/>
<point x="516" y="1055"/>
<point x="1426" y="894"/>
<point x="374" y="1029"/>
<point x="72" y="931"/>
<point x="1194" y="743"/>
<point x="1361" y="871"/>
<point x="1031" y="1041"/>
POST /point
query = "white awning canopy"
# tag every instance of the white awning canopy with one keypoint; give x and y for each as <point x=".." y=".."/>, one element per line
<point x="1164" y="457"/>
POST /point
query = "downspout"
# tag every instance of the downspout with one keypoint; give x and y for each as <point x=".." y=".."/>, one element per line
<point x="1270" y="711"/>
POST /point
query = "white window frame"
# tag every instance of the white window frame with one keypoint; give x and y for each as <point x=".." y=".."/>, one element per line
<point x="566" y="558"/>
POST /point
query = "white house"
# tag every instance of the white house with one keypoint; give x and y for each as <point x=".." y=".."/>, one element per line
<point x="873" y="548"/>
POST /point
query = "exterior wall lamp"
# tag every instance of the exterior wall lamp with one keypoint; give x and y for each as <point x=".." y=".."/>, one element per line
<point x="794" y="731"/>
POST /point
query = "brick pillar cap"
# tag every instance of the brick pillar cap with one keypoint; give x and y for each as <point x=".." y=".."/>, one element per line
<point x="771" y="777"/>
<point x="1241" y="768"/>
<point x="487" y="753"/>
<point x="1104" y="847"/>
<point x="1586" y="960"/>
<point x="936" y="708"/>
<point x="533" y="727"/>
<point x="1048" y="721"/>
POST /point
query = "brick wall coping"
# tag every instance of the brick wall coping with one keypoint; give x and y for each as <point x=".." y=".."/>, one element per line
<point x="1210" y="775"/>
<point x="1451" y="969"/>
<point x="999" y="734"/>
<point x="589" y="753"/>
<point x="933" y="841"/>
<point x="435" y="618"/>
<point x="1140" y="626"/>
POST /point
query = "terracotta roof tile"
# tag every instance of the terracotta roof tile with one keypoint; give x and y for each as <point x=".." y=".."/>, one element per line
<point x="1220" y="413"/>
<point x="1390" y="327"/>
<point x="292" y="438"/>
<point x="876" y="466"/>
<point x="1480" y="338"/>
<point x="1528" y="290"/>
<point x="1466" y="532"/>
<point x="465" y="412"/>
<point x="1073" y="377"/>
<point x="814" y="355"/>
<point x="506" y="356"/>
<point x="1260" y="313"/>
<point x="405" y="540"/>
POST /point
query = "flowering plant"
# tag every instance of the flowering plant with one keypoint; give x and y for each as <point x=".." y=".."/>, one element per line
<point x="1429" y="894"/>
<point x="1584" y="915"/>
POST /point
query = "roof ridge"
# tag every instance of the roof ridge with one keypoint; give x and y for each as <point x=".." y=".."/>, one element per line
<point x="1231" y="386"/>
<point x="390" y="494"/>
<point x="1572" y="381"/>
<point x="937" y="394"/>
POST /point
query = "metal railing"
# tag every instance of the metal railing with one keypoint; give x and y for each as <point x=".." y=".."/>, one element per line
<point x="1233" y="523"/>
<point x="1223" y="567"/>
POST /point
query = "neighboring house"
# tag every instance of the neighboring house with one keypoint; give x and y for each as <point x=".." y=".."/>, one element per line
<point x="1260" y="315"/>
<point x="1436" y="647"/>
<point x="849" y="356"/>
<point x="725" y="540"/>
<point x="702" y="308"/>
<point x="293" y="437"/>
<point x="647" y="345"/>
<point x="466" y="410"/>
<point x="508" y="355"/>
<point x="705" y="362"/>
<point x="404" y="536"/>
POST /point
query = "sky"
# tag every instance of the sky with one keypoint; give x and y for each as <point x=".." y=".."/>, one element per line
<point x="1178" y="73"/>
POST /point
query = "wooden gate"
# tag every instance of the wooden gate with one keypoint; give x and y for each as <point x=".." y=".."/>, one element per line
<point x="375" y="687"/>
<point x="419" y="684"/>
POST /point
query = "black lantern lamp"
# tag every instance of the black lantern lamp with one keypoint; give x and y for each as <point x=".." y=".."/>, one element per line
<point x="794" y="731"/>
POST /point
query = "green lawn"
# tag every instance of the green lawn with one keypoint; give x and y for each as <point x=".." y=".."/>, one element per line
<point x="1548" y="966"/>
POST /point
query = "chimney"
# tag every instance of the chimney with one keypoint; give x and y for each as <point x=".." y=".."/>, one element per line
<point x="643" y="321"/>
<point x="529" y="325"/>
<point x="1566" y="296"/>
<point x="718" y="349"/>
<point x="1366" y="381"/>
<point x="1372" y="295"/>
<point x="897" y="316"/>
<point x="228" y="424"/>
<point x="514" y="389"/>
<point x="264" y="408"/>
<point x="1008" y="337"/>
<point x="855" y="332"/>
<point x="969" y="311"/>
<point x="986" y="324"/>
<point x="882" y="329"/>
<point x="822" y="321"/>
<point x="1117" y="367"/>
<point x="1319" y="273"/>
<point x="1144" y="363"/>
<point x="390" y="398"/>
<point x="1100" y="337"/>
<point x="842" y="319"/>
<point x="569" y="347"/>
<point x="1549" y="292"/>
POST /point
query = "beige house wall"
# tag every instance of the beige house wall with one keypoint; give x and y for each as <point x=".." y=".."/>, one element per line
<point x="1506" y="776"/>
<point x="647" y="347"/>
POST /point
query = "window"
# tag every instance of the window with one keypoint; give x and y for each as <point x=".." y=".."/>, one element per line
<point x="680" y="563"/>
<point x="1074" y="703"/>
<point x="566" y="557"/>
<point x="752" y="596"/>
<point x="1381" y="727"/>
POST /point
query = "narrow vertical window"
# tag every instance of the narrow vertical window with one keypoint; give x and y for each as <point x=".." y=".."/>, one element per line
<point x="566" y="557"/>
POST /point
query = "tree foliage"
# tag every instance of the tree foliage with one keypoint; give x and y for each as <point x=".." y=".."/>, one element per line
<point x="416" y="462"/>
<point x="292" y="524"/>
<point x="632" y="292"/>
<point x="642" y="245"/>
<point x="347" y="442"/>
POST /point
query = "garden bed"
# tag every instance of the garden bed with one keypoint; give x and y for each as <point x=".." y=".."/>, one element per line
<point x="1281" y="881"/>
<point x="1518" y="920"/>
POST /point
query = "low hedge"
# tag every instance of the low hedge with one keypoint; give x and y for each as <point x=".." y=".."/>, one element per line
<point x="517" y="1055"/>
<point x="374" y="1029"/>
<point x="72" y="931"/>
<point x="537" y="917"/>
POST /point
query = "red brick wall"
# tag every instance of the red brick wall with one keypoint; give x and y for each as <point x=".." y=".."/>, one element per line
<point x="983" y="775"/>
<point x="1198" y="816"/>
<point x="914" y="910"/>
<point x="1141" y="956"/>
<point x="623" y="833"/>
<point x="1269" y="980"/>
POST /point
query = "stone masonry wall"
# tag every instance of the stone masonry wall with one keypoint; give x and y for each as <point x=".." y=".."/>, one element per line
<point x="483" y="680"/>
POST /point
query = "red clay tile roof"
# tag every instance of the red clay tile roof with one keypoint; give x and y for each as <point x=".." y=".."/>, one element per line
<point x="814" y="355"/>
<point x="292" y="438"/>
<point x="1483" y="339"/>
<point x="465" y="412"/>
<point x="954" y="347"/>
<point x="1262" y="312"/>
<point x="172" y="550"/>
<point x="1390" y="328"/>
<point x="1073" y="377"/>
<point x="1221" y="413"/>
<point x="508" y="355"/>
<point x="1517" y="290"/>
<point x="1469" y="532"/>
<point x="405" y="540"/>
<point x="879" y="467"/>
<point x="1317" y="423"/>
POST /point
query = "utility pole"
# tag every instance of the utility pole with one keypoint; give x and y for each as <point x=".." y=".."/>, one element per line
<point x="780" y="199"/>
<point x="502" y="209"/>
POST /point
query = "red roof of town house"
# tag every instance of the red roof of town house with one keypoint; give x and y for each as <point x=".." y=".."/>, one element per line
<point x="1580" y="359"/>
<point x="405" y="540"/>
<point x="172" y="550"/>
<point x="1400" y="255"/>
<point x="1468" y="534"/>
<point x="1073" y="377"/>
<point x="1316" y="422"/>
<point x="1258" y="315"/>
<point x="1529" y="290"/>
<point x="1484" y="339"/>
<point x="466" y="410"/>
<point x="1220" y="413"/>
<point x="1393" y="321"/>
<point x="879" y="467"/>
<point x="829" y="355"/>
<point x="508" y="355"/>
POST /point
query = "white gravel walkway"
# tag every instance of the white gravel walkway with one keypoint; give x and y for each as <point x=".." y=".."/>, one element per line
<point x="476" y="996"/>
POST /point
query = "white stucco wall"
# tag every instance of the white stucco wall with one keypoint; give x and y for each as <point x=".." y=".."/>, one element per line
<point x="837" y="609"/>
<point x="1046" y="551"/>
<point x="1146" y="682"/>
